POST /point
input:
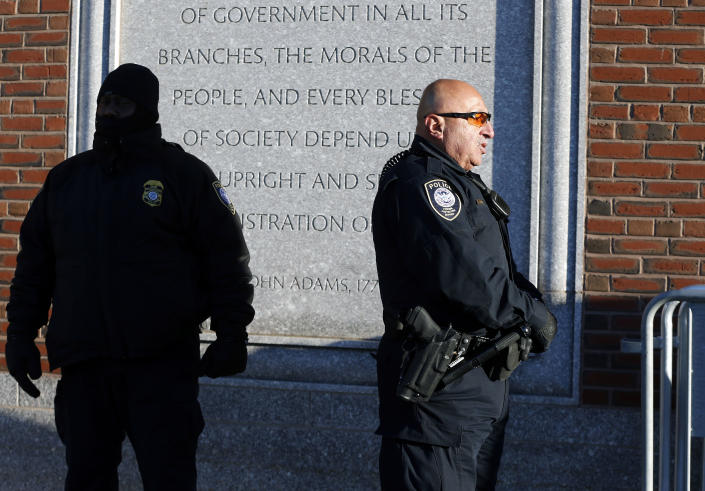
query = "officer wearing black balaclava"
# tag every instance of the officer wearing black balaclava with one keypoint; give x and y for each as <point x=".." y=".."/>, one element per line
<point x="132" y="244"/>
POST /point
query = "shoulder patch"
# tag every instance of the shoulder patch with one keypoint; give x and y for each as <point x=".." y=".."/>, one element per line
<point x="223" y="196"/>
<point x="443" y="199"/>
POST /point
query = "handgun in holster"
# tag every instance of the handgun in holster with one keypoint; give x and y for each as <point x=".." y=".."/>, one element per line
<point x="436" y="356"/>
<point x="428" y="351"/>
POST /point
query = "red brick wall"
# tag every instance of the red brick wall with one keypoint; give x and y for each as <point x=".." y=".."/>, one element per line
<point x="644" y="227"/>
<point x="34" y="36"/>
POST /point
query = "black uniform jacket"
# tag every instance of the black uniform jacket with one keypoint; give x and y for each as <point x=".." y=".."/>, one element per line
<point x="133" y="244"/>
<point x="439" y="245"/>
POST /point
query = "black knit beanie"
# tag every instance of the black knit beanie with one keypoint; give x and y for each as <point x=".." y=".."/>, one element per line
<point x="136" y="83"/>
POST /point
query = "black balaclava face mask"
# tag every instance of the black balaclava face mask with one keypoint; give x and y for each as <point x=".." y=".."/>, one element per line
<point x="115" y="127"/>
<point x="137" y="83"/>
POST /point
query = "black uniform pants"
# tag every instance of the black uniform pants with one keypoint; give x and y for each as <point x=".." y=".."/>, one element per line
<point x="470" y="465"/>
<point x="153" y="402"/>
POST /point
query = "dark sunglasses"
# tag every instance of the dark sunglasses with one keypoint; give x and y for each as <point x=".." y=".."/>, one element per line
<point x="474" y="118"/>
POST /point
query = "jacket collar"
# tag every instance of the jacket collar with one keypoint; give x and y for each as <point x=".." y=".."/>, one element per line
<point x="424" y="147"/>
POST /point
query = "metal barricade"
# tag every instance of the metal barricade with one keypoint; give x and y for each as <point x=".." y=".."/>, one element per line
<point x="690" y="399"/>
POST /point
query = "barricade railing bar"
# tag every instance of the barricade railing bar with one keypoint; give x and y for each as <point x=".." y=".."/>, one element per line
<point x="690" y="401"/>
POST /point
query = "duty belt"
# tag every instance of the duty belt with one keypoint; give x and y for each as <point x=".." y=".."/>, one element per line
<point x="394" y="327"/>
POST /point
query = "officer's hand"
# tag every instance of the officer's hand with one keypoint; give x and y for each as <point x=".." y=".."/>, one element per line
<point x="23" y="359"/>
<point x="543" y="328"/>
<point x="227" y="355"/>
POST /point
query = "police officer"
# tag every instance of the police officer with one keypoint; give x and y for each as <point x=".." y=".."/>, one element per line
<point x="133" y="244"/>
<point x="441" y="243"/>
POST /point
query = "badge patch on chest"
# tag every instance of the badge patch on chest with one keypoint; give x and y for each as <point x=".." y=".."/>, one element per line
<point x="443" y="199"/>
<point x="223" y="196"/>
<point x="153" y="191"/>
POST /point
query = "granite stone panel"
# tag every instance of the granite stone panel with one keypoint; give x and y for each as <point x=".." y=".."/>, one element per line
<point x="31" y="454"/>
<point x="551" y="373"/>
<point x="47" y="388"/>
<point x="571" y="425"/>
<point x="271" y="457"/>
<point x="246" y="406"/>
<point x="298" y="132"/>
<point x="128" y="472"/>
<point x="317" y="365"/>
<point x="234" y="477"/>
<point x="526" y="465"/>
<point x="344" y="411"/>
<point x="8" y="390"/>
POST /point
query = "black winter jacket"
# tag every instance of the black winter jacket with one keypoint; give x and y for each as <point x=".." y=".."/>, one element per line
<point x="438" y="245"/>
<point x="133" y="244"/>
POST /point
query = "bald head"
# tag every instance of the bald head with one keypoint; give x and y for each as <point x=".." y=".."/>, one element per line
<point x="464" y="141"/>
<point x="445" y="96"/>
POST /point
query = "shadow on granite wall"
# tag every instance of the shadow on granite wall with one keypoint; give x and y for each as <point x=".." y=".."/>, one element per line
<point x="269" y="434"/>
<point x="548" y="447"/>
<point x="32" y="456"/>
<point x="243" y="455"/>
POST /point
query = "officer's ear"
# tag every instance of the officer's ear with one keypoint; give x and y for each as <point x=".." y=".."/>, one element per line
<point x="434" y="126"/>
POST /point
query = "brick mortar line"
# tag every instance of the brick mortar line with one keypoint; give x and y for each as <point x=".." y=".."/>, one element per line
<point x="672" y="219"/>
<point x="643" y="160"/>
<point x="659" y="123"/>
<point x="646" y="7"/>
<point x="656" y="121"/>
<point x="641" y="257"/>
<point x="41" y="14"/>
<point x="32" y="133"/>
<point x="598" y="44"/>
<point x="673" y="25"/>
<point x="671" y="85"/>
<point x="618" y="84"/>
<point x="622" y="45"/>
<point x="653" y="103"/>
<point x="641" y="64"/>
<point x="642" y="28"/>
<point x="642" y="180"/>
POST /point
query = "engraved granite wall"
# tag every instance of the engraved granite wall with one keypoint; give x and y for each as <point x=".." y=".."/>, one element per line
<point x="298" y="106"/>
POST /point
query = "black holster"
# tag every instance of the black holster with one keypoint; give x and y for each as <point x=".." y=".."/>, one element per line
<point x="428" y="351"/>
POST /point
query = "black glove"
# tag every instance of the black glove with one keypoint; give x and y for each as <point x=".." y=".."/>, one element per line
<point x="227" y="355"/>
<point x="23" y="358"/>
<point x="543" y="328"/>
<point x="500" y="367"/>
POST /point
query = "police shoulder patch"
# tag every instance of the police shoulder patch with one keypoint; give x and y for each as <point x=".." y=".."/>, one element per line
<point x="443" y="199"/>
<point x="223" y="196"/>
